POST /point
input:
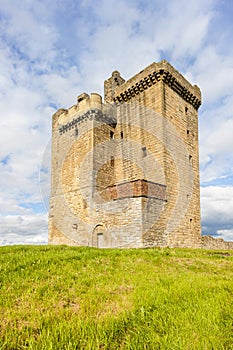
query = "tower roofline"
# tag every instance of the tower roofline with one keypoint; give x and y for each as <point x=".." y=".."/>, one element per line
<point x="152" y="74"/>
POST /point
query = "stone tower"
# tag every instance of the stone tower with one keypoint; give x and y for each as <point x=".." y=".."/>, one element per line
<point x="125" y="173"/>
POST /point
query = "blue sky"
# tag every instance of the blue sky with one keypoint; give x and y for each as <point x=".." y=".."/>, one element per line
<point x="52" y="51"/>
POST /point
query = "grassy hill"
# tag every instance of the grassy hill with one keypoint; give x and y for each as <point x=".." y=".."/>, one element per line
<point x="85" y="298"/>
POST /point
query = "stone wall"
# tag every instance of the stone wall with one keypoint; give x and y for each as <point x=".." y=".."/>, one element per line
<point x="208" y="242"/>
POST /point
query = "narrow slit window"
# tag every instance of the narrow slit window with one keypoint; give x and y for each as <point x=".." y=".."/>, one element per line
<point x="122" y="135"/>
<point x="186" y="109"/>
<point x="111" y="135"/>
<point x="191" y="222"/>
<point x="187" y="131"/>
<point x="144" y="152"/>
<point x="112" y="161"/>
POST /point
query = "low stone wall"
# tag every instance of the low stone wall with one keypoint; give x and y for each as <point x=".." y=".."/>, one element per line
<point x="208" y="242"/>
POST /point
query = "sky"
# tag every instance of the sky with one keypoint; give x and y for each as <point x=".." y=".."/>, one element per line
<point x="52" y="51"/>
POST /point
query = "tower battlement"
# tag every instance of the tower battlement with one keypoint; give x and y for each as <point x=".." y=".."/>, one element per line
<point x="84" y="102"/>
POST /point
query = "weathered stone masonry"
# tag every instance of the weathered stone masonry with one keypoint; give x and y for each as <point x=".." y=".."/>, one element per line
<point x="125" y="173"/>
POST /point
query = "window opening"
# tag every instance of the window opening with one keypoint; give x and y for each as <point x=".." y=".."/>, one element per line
<point x="144" y="152"/>
<point x="191" y="222"/>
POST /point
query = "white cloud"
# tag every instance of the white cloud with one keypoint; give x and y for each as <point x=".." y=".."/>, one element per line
<point x="19" y="229"/>
<point x="183" y="26"/>
<point x="216" y="202"/>
<point x="214" y="72"/>
<point x="216" y="157"/>
<point x="62" y="86"/>
<point x="27" y="27"/>
<point x="217" y="209"/>
<point x="227" y="235"/>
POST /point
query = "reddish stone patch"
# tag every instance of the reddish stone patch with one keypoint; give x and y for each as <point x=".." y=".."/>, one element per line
<point x="136" y="188"/>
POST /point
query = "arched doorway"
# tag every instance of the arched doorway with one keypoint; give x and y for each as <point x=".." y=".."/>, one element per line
<point x="99" y="238"/>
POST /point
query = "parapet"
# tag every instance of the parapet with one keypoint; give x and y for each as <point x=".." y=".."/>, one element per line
<point x="86" y="108"/>
<point x="161" y="71"/>
<point x="84" y="102"/>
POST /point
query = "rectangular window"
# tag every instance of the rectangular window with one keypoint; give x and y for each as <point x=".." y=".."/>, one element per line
<point x="111" y="135"/>
<point x="122" y="135"/>
<point x="112" y="161"/>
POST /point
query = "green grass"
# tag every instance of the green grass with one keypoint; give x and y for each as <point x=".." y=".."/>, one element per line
<point x="85" y="298"/>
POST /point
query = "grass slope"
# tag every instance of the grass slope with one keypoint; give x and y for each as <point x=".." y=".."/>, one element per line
<point x="85" y="298"/>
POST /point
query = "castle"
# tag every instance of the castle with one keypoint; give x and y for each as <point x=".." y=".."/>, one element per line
<point x="125" y="172"/>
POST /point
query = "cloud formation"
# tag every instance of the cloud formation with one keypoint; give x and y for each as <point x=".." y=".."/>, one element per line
<point x="53" y="51"/>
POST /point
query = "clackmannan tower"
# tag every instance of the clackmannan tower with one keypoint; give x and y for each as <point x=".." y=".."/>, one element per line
<point x="125" y="172"/>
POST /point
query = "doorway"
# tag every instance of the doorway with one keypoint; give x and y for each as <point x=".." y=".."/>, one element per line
<point x="100" y="240"/>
